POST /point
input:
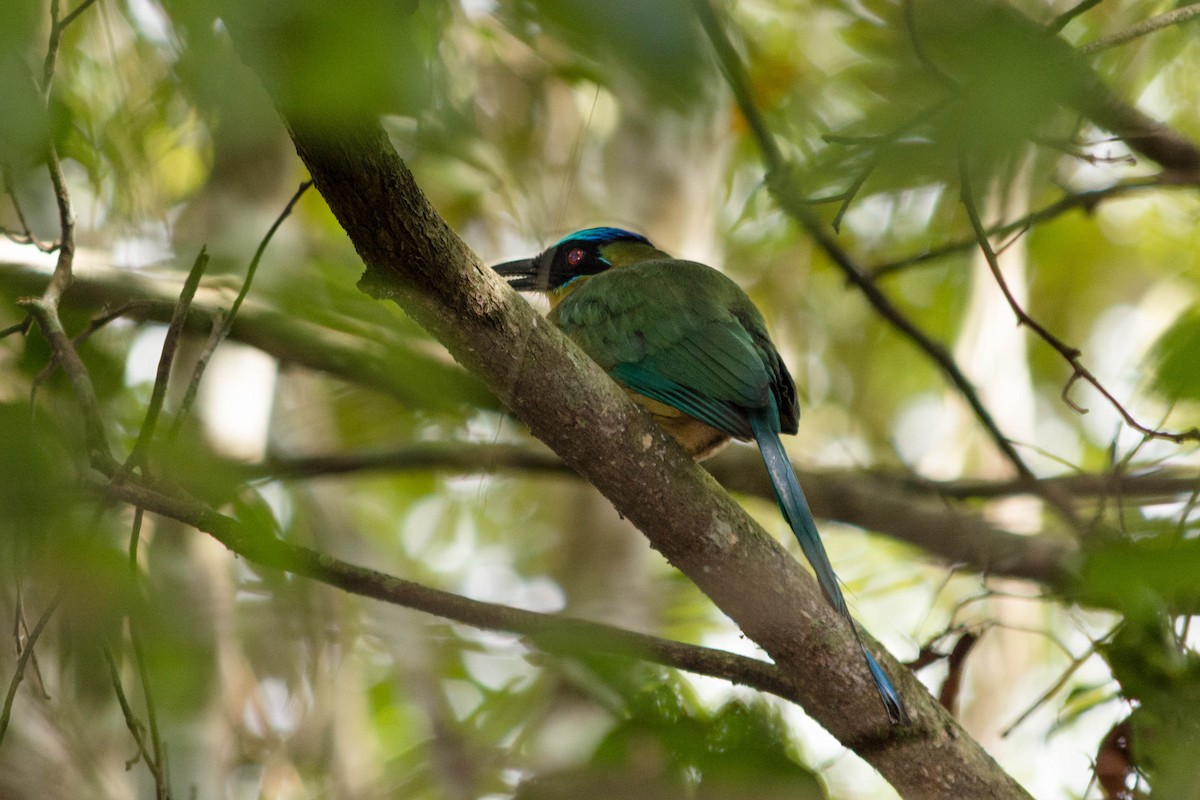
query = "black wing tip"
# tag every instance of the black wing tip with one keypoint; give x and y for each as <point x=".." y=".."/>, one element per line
<point x="896" y="712"/>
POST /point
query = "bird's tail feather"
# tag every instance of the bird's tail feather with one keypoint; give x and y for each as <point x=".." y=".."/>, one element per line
<point x="794" y="506"/>
<point x="795" y="509"/>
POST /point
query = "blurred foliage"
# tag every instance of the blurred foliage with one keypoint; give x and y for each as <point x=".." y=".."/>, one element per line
<point x="1162" y="681"/>
<point x="667" y="745"/>
<point x="321" y="60"/>
<point x="1177" y="375"/>
<point x="524" y="119"/>
<point x="655" y="44"/>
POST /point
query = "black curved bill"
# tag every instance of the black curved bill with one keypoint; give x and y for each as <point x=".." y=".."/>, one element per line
<point x="521" y="274"/>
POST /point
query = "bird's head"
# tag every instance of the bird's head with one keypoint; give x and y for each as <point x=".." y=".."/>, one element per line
<point x="578" y="256"/>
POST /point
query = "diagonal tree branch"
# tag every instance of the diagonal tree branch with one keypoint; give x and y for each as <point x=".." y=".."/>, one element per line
<point x="568" y="402"/>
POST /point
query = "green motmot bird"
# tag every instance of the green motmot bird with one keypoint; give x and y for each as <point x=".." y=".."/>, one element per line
<point x="689" y="345"/>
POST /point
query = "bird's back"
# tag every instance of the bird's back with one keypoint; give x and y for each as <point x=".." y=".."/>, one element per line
<point x="684" y="335"/>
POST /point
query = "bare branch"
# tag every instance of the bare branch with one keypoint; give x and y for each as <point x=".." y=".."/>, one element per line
<point x="550" y="632"/>
<point x="23" y="660"/>
<point x="137" y="456"/>
<point x="893" y="506"/>
<point x="735" y="467"/>
<point x="158" y="764"/>
<point x="134" y="726"/>
<point x="57" y="26"/>
<point x="223" y="323"/>
<point x="66" y="243"/>
<point x="21" y="327"/>
<point x="452" y="457"/>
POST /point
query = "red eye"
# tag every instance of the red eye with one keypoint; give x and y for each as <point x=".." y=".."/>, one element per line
<point x="574" y="257"/>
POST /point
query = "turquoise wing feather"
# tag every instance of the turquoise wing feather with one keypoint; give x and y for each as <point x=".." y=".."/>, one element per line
<point x="665" y="330"/>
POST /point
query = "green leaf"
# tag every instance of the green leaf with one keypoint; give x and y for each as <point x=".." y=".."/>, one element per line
<point x="321" y="61"/>
<point x="1177" y="359"/>
<point x="657" y="42"/>
<point x="1144" y="576"/>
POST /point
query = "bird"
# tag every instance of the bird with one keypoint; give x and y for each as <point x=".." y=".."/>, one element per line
<point x="690" y="346"/>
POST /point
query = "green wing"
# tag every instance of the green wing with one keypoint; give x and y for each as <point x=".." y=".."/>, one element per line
<point x="683" y="334"/>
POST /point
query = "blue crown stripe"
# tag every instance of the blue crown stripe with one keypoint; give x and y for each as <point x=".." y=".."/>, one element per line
<point x="603" y="236"/>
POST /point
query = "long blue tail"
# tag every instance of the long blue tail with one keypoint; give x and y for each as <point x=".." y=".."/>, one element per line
<point x="792" y="503"/>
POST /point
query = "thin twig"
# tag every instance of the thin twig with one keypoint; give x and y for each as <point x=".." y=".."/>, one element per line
<point x="1087" y="200"/>
<point x="457" y="457"/>
<point x="21" y="327"/>
<point x="1076" y="150"/>
<point x="27" y="236"/>
<point x="45" y="310"/>
<point x="131" y="721"/>
<point x="159" y="763"/>
<point x="66" y="221"/>
<point x="1063" y="19"/>
<point x="81" y="383"/>
<point x="216" y="335"/>
<point x="51" y="56"/>
<point x="1070" y="354"/>
<point x="137" y="456"/>
<point x="72" y="16"/>
<point x="914" y="38"/>
<point x="125" y="309"/>
<point x="262" y="247"/>
<point x="852" y="192"/>
<point x="1056" y="687"/>
<point x="23" y="660"/>
<point x="57" y="26"/>
<point x="1151" y="25"/>
<point x="222" y="325"/>
<point x="21" y="636"/>
<point x="62" y="198"/>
